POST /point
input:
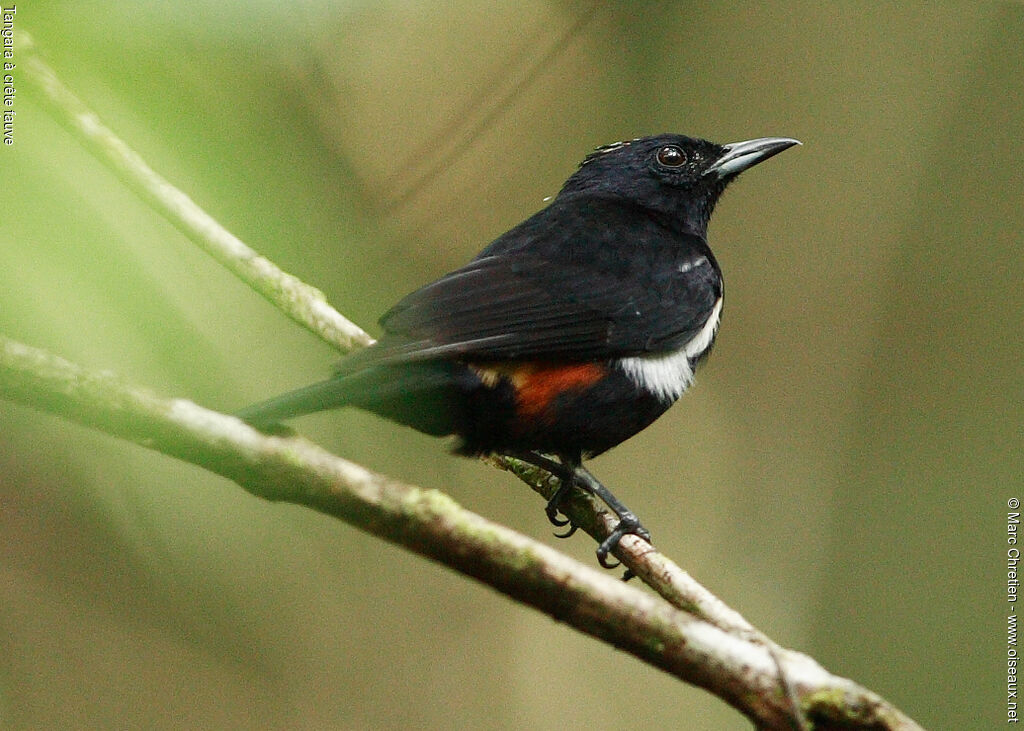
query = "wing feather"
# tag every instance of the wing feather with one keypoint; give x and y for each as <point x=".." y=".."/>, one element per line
<point x="544" y="302"/>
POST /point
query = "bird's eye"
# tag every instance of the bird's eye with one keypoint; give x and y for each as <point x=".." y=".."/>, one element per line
<point x="671" y="156"/>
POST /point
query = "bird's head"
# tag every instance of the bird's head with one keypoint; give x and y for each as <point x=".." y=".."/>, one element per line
<point x="671" y="174"/>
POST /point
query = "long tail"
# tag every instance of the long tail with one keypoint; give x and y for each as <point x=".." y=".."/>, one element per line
<point x="329" y="394"/>
<point x="429" y="397"/>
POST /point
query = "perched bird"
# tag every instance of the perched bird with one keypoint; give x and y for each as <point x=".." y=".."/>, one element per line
<point x="566" y="335"/>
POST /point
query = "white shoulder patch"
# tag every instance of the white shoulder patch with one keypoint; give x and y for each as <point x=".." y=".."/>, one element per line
<point x="668" y="375"/>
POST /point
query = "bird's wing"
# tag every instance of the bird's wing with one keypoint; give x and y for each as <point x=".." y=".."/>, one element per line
<point x="518" y="306"/>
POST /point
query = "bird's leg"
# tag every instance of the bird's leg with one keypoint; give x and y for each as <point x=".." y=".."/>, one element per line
<point x="566" y="481"/>
<point x="572" y="474"/>
<point x="628" y="524"/>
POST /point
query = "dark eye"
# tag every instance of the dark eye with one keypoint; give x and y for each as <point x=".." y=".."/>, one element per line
<point x="671" y="156"/>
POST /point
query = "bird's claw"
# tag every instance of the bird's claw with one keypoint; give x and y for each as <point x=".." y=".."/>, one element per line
<point x="575" y="477"/>
<point x="554" y="506"/>
<point x="572" y="529"/>
<point x="552" y="513"/>
<point x="628" y="525"/>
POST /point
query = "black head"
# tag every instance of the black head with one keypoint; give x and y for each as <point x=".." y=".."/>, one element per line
<point x="671" y="174"/>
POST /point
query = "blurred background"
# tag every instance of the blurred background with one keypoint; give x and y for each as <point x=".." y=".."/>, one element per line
<point x="840" y="474"/>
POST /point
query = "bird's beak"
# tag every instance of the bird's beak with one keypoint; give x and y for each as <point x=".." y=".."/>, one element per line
<point x="739" y="156"/>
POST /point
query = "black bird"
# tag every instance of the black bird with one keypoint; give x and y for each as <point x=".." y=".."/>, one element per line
<point x="569" y="333"/>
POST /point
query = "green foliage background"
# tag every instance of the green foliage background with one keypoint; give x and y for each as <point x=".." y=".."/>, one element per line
<point x="840" y="474"/>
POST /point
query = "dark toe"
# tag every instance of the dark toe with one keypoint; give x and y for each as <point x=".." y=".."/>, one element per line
<point x="572" y="529"/>
<point x="626" y="527"/>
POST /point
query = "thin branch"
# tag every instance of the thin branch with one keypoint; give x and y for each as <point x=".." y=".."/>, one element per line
<point x="707" y="643"/>
<point x="740" y="670"/>
<point x="303" y="303"/>
<point x="656" y="570"/>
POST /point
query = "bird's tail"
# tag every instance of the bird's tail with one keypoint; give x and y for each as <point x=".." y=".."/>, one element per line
<point x="329" y="394"/>
<point x="427" y="396"/>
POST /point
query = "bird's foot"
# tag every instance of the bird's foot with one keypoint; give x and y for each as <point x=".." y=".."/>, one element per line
<point x="628" y="525"/>
<point x="554" y="507"/>
<point x="571" y="475"/>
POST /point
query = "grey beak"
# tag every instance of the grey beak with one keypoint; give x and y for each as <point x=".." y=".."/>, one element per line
<point x="739" y="156"/>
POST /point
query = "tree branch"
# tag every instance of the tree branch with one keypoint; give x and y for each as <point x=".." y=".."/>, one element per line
<point x="691" y="634"/>
<point x="301" y="302"/>
<point x="737" y="667"/>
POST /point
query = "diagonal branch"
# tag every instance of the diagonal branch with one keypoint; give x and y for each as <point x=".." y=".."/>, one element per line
<point x="738" y="668"/>
<point x="303" y="303"/>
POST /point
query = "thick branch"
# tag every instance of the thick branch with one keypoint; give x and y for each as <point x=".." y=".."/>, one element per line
<point x="739" y="669"/>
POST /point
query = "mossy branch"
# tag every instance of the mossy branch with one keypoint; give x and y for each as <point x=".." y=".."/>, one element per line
<point x="738" y="666"/>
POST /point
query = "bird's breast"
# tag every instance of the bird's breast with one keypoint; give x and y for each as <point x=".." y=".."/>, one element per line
<point x="668" y="375"/>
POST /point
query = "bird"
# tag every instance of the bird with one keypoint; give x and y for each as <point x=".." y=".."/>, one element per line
<point x="566" y="335"/>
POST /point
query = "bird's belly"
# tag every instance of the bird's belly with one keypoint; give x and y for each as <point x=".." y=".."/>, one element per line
<point x="576" y="408"/>
<point x="562" y="409"/>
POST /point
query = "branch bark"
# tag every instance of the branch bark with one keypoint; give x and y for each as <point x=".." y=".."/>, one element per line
<point x="687" y="632"/>
<point x="305" y="304"/>
<point x="737" y="666"/>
